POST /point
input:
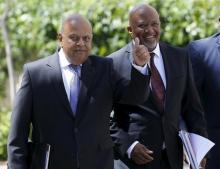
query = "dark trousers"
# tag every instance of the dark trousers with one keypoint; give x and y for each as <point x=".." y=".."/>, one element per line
<point x="164" y="160"/>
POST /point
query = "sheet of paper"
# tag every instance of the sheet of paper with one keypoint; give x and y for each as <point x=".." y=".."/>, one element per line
<point x="201" y="146"/>
<point x="196" y="147"/>
<point x="188" y="148"/>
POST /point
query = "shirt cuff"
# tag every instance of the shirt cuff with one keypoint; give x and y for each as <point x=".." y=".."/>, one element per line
<point x="131" y="148"/>
<point x="143" y="70"/>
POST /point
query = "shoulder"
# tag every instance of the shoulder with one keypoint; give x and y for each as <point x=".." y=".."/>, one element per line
<point x="38" y="64"/>
<point x="121" y="52"/>
<point x="98" y="61"/>
<point x="174" y="50"/>
<point x="175" y="55"/>
<point x="205" y="43"/>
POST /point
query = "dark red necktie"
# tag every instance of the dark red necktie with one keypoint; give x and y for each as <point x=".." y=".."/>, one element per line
<point x="157" y="85"/>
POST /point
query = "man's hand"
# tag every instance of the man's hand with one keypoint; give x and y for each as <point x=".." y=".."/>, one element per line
<point x="141" y="155"/>
<point x="140" y="52"/>
<point x="203" y="163"/>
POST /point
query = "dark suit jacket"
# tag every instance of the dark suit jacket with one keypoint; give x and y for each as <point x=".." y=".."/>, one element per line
<point x="145" y="124"/>
<point x="205" y="55"/>
<point x="82" y="140"/>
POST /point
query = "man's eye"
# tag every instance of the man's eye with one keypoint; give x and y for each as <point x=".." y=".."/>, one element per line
<point x="74" y="38"/>
<point x="155" y="24"/>
<point x="86" y="38"/>
<point x="142" y="26"/>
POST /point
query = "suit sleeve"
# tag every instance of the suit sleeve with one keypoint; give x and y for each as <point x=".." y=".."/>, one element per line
<point x="119" y="125"/>
<point x="197" y="64"/>
<point x="133" y="91"/>
<point x="193" y="112"/>
<point x="20" y="125"/>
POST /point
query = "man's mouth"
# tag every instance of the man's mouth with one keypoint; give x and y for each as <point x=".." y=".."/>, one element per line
<point x="80" y="50"/>
<point x="150" y="37"/>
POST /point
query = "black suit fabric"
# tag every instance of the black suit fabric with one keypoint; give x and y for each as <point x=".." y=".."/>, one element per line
<point x="145" y="124"/>
<point x="81" y="141"/>
<point x="205" y="56"/>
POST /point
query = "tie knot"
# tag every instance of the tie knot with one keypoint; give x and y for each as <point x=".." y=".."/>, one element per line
<point x="152" y="54"/>
<point x="75" y="68"/>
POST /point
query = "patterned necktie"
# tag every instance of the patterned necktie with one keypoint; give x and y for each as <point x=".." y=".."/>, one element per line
<point x="74" y="87"/>
<point x="157" y="85"/>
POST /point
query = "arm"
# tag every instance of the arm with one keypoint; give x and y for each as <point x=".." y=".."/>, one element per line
<point x="138" y="87"/>
<point x="199" y="75"/>
<point x="197" y="65"/>
<point x="119" y="125"/>
<point x="133" y="90"/>
<point x="193" y="112"/>
<point x="20" y="125"/>
<point x="126" y="145"/>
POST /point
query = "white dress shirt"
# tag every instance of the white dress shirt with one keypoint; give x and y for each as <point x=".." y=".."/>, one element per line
<point x="158" y="61"/>
<point x="67" y="73"/>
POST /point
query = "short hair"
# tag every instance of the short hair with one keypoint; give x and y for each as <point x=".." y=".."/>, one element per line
<point x="73" y="17"/>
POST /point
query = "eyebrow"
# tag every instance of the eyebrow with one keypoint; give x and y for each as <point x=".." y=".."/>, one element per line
<point x="87" y="34"/>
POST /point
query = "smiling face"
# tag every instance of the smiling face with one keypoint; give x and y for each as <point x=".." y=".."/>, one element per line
<point x="76" y="39"/>
<point x="145" y="24"/>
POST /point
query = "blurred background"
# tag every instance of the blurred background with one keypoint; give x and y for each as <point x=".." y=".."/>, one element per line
<point x="28" y="30"/>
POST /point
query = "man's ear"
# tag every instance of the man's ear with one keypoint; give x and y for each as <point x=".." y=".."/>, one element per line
<point x="59" y="37"/>
<point x="130" y="31"/>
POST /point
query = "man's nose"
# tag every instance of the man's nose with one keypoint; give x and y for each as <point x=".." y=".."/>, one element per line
<point x="80" y="42"/>
<point x="148" y="29"/>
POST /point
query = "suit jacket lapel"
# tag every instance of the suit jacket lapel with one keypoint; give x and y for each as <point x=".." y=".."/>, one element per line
<point x="56" y="77"/>
<point x="171" y="70"/>
<point x="128" y="59"/>
<point x="87" y="77"/>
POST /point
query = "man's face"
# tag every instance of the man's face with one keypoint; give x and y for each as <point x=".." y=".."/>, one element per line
<point x="76" y="41"/>
<point x="145" y="24"/>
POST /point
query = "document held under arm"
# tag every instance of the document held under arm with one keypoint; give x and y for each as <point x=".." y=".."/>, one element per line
<point x="195" y="146"/>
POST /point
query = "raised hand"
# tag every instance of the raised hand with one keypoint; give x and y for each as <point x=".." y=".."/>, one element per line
<point x="140" y="52"/>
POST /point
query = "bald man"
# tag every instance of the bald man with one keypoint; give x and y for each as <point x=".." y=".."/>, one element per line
<point x="146" y="135"/>
<point x="67" y="99"/>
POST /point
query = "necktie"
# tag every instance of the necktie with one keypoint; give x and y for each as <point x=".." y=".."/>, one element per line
<point x="74" y="87"/>
<point x="157" y="85"/>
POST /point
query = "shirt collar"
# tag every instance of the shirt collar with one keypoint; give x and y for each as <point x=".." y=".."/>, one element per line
<point x="157" y="51"/>
<point x="63" y="60"/>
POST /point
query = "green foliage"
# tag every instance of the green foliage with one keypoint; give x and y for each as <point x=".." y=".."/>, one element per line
<point x="4" y="127"/>
<point x="33" y="24"/>
<point x="184" y="21"/>
<point x="109" y="22"/>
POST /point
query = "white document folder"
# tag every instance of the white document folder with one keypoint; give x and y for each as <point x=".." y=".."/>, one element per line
<point x="195" y="146"/>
